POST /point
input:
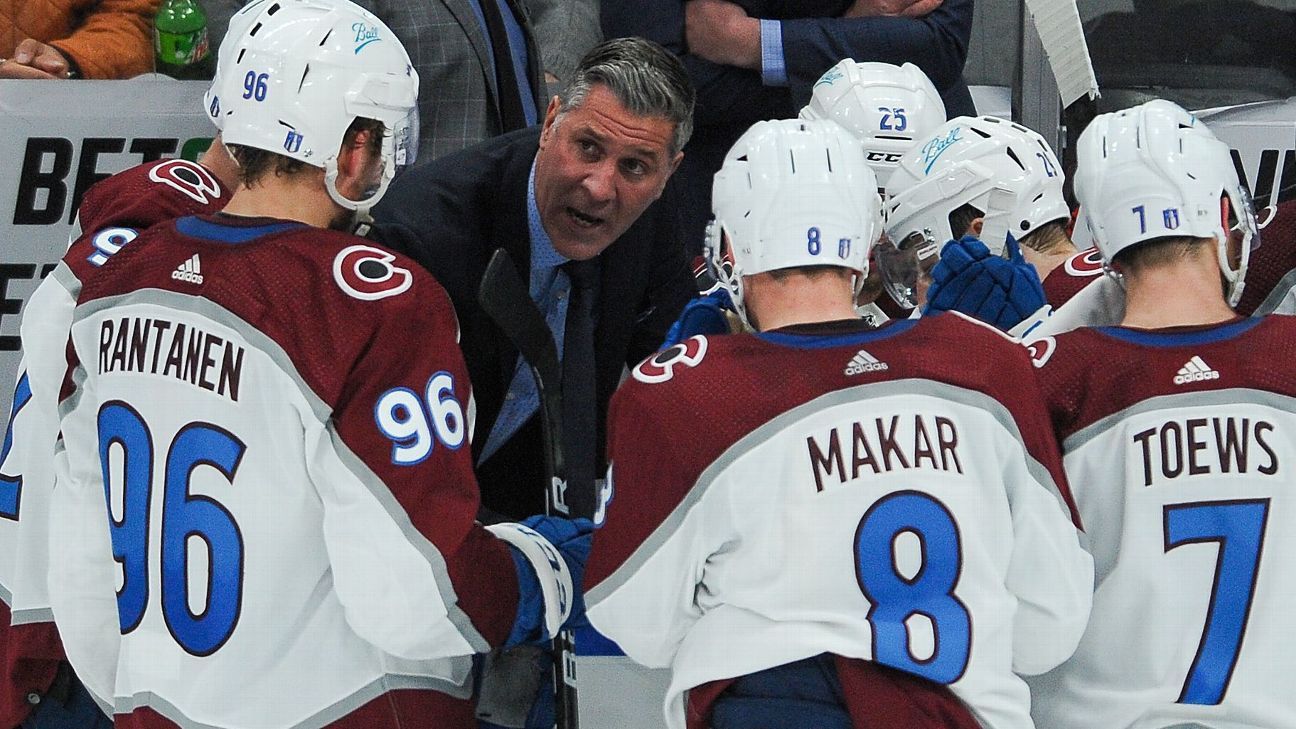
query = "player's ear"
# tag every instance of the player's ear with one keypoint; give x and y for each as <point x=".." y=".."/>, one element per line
<point x="976" y="226"/>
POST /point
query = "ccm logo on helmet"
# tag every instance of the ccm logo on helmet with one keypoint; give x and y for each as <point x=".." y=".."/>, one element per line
<point x="367" y="273"/>
<point x="191" y="179"/>
<point x="661" y="366"/>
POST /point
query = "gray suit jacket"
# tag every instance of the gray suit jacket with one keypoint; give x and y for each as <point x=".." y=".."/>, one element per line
<point x="565" y="30"/>
<point x="458" y="100"/>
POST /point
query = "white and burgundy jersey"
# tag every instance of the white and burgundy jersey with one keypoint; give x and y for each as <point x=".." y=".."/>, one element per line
<point x="891" y="495"/>
<point x="1271" y="273"/>
<point x="265" y="508"/>
<point x="1074" y="274"/>
<point x="1179" y="446"/>
<point x="114" y="211"/>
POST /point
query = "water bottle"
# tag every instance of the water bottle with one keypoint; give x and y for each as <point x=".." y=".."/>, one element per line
<point x="180" y="40"/>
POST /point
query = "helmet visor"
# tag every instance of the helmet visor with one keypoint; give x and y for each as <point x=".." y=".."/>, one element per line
<point x="405" y="141"/>
<point x="904" y="265"/>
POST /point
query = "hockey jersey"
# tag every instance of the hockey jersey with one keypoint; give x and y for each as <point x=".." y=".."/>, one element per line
<point x="1271" y="273"/>
<point x="1074" y="274"/>
<point x="891" y="495"/>
<point x="279" y="417"/>
<point x="1178" y="445"/>
<point x="114" y="211"/>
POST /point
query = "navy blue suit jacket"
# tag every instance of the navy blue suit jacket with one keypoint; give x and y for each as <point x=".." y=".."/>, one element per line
<point x="451" y="215"/>
<point x="731" y="99"/>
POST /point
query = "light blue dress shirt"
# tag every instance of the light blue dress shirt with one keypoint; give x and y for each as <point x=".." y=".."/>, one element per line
<point x="549" y="289"/>
<point x="773" y="67"/>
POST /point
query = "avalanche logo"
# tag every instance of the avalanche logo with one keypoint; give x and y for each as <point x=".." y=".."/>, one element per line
<point x="1041" y="350"/>
<point x="661" y="366"/>
<point x="188" y="178"/>
<point x="367" y="273"/>
<point x="1084" y="263"/>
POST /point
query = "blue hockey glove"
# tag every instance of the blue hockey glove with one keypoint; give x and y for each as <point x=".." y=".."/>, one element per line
<point x="971" y="280"/>
<point x="549" y="553"/>
<point x="703" y="315"/>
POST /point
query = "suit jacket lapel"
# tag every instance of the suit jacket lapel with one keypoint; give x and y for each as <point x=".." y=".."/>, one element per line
<point x="467" y="17"/>
<point x="512" y="233"/>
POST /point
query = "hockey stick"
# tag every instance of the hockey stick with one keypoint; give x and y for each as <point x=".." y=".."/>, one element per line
<point x="506" y="301"/>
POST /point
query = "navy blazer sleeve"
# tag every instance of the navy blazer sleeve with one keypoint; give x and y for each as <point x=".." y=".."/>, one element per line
<point x="725" y="94"/>
<point x="937" y="43"/>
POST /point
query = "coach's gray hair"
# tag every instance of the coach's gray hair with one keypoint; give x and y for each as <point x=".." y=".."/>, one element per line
<point x="646" y="78"/>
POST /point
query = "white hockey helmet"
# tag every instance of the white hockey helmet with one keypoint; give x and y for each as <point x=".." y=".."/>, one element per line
<point x="238" y="25"/>
<point x="886" y="107"/>
<point x="1154" y="171"/>
<point x="792" y="193"/>
<point x="1002" y="169"/>
<point x="304" y="71"/>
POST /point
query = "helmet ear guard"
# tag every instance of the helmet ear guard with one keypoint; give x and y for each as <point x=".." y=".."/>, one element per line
<point x="792" y="193"/>
<point x="1154" y="171"/>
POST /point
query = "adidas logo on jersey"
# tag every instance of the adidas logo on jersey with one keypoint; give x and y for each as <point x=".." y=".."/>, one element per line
<point x="1195" y="370"/>
<point x="864" y="362"/>
<point x="190" y="270"/>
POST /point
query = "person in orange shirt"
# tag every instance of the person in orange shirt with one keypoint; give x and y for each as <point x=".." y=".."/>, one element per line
<point x="57" y="39"/>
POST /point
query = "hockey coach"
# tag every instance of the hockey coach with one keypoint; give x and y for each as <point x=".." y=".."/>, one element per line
<point x="581" y="203"/>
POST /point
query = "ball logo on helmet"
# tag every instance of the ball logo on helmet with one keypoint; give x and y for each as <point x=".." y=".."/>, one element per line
<point x="369" y="274"/>
<point x="364" y="35"/>
<point x="932" y="150"/>
<point x="830" y="77"/>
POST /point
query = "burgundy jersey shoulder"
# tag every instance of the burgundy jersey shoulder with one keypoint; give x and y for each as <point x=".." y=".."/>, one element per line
<point x="115" y="210"/>
<point x="1090" y="374"/>
<point x="1074" y="274"/>
<point x="682" y="408"/>
<point x="320" y="294"/>
<point x="150" y="193"/>
<point x="1273" y="264"/>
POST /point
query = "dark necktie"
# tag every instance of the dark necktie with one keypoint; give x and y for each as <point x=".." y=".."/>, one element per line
<point x="580" y="423"/>
<point x="506" y="83"/>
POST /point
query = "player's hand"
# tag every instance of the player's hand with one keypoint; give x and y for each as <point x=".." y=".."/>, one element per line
<point x="707" y="314"/>
<point x="900" y="8"/>
<point x="550" y="598"/>
<point x="971" y="280"/>
<point x="33" y="59"/>
<point x="721" y="32"/>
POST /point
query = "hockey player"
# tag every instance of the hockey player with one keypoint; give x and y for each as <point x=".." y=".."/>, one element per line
<point x="871" y="532"/>
<point x="277" y="415"/>
<point x="35" y="672"/>
<point x="988" y="178"/>
<point x="37" y="680"/>
<point x="886" y="108"/>
<point x="1177" y="432"/>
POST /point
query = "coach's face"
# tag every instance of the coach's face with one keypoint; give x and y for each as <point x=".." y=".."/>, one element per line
<point x="599" y="167"/>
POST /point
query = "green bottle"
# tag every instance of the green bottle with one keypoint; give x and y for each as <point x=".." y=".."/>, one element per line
<point x="180" y="40"/>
